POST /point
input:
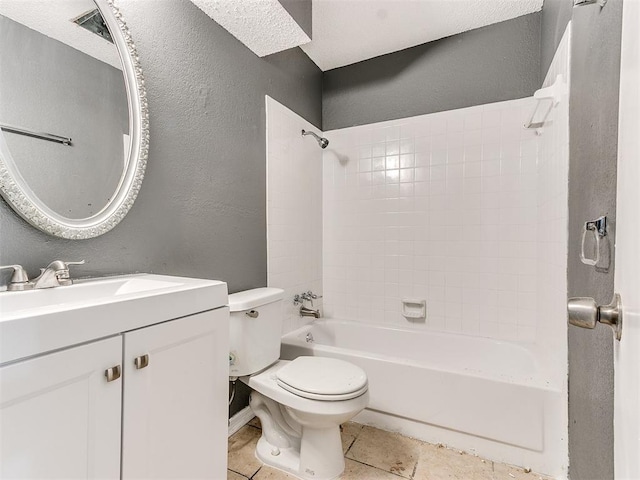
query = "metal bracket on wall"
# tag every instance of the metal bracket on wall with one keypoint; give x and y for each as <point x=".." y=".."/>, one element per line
<point x="579" y="3"/>
<point x="599" y="229"/>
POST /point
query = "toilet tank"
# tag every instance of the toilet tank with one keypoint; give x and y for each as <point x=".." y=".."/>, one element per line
<point x="255" y="330"/>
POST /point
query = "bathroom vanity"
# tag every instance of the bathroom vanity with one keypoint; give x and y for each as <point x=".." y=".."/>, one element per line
<point x="121" y="377"/>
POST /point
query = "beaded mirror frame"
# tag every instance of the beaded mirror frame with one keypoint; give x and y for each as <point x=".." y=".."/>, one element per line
<point x="21" y="198"/>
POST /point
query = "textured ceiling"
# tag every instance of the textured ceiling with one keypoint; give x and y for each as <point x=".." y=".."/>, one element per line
<point x="262" y="25"/>
<point x="349" y="31"/>
<point x="55" y="20"/>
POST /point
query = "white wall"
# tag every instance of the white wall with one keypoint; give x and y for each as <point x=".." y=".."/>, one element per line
<point x="552" y="226"/>
<point x="294" y="203"/>
<point x="551" y="272"/>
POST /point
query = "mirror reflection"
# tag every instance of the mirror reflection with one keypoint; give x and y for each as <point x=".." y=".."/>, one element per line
<point x="64" y="118"/>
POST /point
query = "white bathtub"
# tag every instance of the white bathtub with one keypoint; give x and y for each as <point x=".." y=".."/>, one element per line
<point x="490" y="395"/>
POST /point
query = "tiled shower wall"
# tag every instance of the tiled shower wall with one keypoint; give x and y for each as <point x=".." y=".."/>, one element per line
<point x="294" y="203"/>
<point x="442" y="208"/>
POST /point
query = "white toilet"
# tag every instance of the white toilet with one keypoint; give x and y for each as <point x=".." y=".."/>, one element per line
<point x="300" y="403"/>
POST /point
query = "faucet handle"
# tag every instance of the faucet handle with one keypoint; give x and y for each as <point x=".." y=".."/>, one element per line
<point x="61" y="265"/>
<point x="312" y="296"/>
<point x="19" y="278"/>
<point x="309" y="296"/>
<point x="19" y="275"/>
<point x="68" y="264"/>
<point x="62" y="270"/>
<point x="81" y="262"/>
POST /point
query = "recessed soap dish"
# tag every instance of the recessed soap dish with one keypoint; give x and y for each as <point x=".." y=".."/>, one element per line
<point x="414" y="308"/>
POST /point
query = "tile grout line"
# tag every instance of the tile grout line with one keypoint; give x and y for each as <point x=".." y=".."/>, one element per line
<point x="378" y="468"/>
<point x="349" y="448"/>
<point x="254" y="475"/>
<point x="415" y="467"/>
<point x="237" y="473"/>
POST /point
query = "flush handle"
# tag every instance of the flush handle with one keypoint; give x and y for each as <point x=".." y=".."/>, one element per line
<point x="112" y="373"/>
<point x="141" y="362"/>
<point x="584" y="312"/>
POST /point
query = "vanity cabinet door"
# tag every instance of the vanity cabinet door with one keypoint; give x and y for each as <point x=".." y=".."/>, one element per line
<point x="60" y="417"/>
<point x="175" y="399"/>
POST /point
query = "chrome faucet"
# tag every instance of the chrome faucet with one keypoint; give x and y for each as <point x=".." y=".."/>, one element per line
<point x="55" y="275"/>
<point x="309" y="296"/>
<point x="309" y="312"/>
<point x="305" y="311"/>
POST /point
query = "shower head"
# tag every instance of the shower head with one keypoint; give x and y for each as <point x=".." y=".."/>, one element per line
<point x="323" y="142"/>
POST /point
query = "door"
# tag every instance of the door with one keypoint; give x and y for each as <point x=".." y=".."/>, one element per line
<point x="627" y="275"/>
<point x="60" y="417"/>
<point x="175" y="399"/>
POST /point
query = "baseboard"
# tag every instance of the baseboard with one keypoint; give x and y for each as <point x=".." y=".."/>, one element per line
<point x="240" y="419"/>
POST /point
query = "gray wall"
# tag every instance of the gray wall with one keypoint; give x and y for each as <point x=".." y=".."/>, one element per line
<point x="595" y="70"/>
<point x="65" y="92"/>
<point x="490" y="64"/>
<point x="302" y="13"/>
<point x="556" y="14"/>
<point x="201" y="210"/>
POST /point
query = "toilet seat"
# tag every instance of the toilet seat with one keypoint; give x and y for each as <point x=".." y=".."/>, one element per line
<point x="322" y="378"/>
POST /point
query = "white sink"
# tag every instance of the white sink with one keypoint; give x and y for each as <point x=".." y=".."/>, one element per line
<point x="37" y="321"/>
<point x="19" y="304"/>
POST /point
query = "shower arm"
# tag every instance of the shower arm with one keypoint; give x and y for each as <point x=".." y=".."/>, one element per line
<point x="323" y="142"/>
<point x="317" y="137"/>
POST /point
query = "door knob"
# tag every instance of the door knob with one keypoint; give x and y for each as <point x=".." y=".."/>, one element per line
<point x="584" y="312"/>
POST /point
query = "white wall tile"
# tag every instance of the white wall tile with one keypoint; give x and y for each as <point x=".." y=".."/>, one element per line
<point x="456" y="198"/>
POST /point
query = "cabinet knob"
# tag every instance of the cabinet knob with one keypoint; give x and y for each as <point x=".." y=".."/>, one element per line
<point x="112" y="373"/>
<point x="142" y="361"/>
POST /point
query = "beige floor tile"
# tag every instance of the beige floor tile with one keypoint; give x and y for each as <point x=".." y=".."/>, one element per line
<point x="385" y="450"/>
<point x="441" y="463"/>
<point x="349" y="433"/>
<point x="359" y="471"/>
<point x="509" y="472"/>
<point x="242" y="446"/>
<point x="235" y="476"/>
<point x="352" y="428"/>
<point x="268" y="473"/>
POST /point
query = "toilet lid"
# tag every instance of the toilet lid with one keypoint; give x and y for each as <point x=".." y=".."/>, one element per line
<point x="322" y="378"/>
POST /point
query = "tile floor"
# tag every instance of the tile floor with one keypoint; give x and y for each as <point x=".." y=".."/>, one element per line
<point x="373" y="454"/>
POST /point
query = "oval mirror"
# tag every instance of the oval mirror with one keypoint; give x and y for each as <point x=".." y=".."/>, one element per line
<point x="74" y="134"/>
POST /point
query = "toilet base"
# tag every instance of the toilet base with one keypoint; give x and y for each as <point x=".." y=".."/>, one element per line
<point x="300" y="436"/>
<point x="290" y="444"/>
<point x="288" y="460"/>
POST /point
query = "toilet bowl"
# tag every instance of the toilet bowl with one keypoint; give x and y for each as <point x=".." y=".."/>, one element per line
<point x="300" y="403"/>
<point x="301" y="435"/>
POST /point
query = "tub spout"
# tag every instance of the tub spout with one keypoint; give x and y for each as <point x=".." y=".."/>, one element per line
<point x="309" y="312"/>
